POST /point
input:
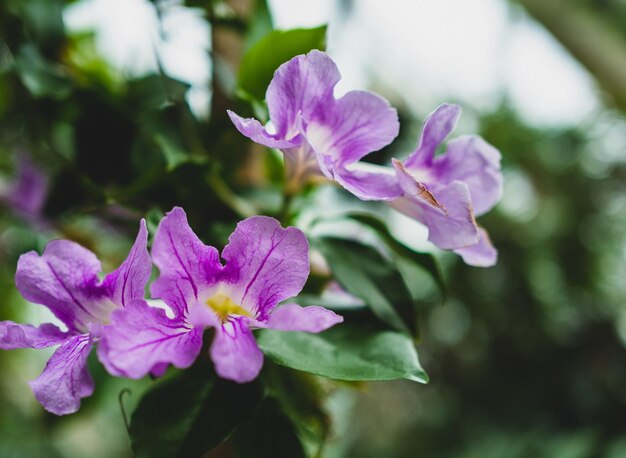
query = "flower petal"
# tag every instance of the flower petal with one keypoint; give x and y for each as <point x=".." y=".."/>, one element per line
<point x="265" y="263"/>
<point x="129" y="280"/>
<point x="482" y="254"/>
<point x="369" y="181"/>
<point x="292" y="317"/>
<point x="304" y="85"/>
<point x="235" y="353"/>
<point x="64" y="279"/>
<point x="142" y="339"/>
<point x="437" y="127"/>
<point x="186" y="265"/>
<point x="453" y="226"/>
<point x="357" y="124"/>
<point x="14" y="335"/>
<point x="253" y="129"/>
<point x="475" y="162"/>
<point x="65" y="380"/>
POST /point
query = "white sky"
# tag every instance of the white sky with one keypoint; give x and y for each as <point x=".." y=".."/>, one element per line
<point x="468" y="51"/>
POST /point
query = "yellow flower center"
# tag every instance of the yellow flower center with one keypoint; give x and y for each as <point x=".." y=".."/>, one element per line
<point x="223" y="306"/>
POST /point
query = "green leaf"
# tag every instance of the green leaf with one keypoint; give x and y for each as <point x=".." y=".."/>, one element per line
<point x="260" y="24"/>
<point x="301" y="398"/>
<point x="364" y="272"/>
<point x="173" y="153"/>
<point x="155" y="92"/>
<point x="41" y="77"/>
<point x="349" y="351"/>
<point x="269" y="435"/>
<point x="190" y="414"/>
<point x="424" y="260"/>
<point x="261" y="61"/>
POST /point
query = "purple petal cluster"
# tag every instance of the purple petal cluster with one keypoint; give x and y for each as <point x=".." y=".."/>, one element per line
<point x="65" y="280"/>
<point x="321" y="135"/>
<point x="264" y="264"/>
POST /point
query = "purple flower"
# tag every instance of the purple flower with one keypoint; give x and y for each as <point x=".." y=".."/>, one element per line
<point x="319" y="134"/>
<point x="65" y="279"/>
<point x="264" y="265"/>
<point x="28" y="191"/>
<point x="447" y="191"/>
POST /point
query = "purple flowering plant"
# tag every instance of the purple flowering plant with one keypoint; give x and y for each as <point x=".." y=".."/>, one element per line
<point x="65" y="280"/>
<point x="319" y="134"/>
<point x="289" y="303"/>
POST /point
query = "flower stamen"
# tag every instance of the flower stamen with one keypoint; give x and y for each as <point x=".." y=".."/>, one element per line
<point x="223" y="306"/>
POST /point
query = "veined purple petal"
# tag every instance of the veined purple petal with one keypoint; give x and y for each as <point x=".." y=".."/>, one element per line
<point x="475" y="162"/>
<point x="65" y="279"/>
<point x="129" y="280"/>
<point x="369" y="181"/>
<point x="437" y="127"/>
<point x="265" y="263"/>
<point x="482" y="254"/>
<point x="186" y="265"/>
<point x="65" y="380"/>
<point x="253" y="129"/>
<point x="357" y="124"/>
<point x="453" y="226"/>
<point x="304" y="85"/>
<point x="235" y="353"/>
<point x="292" y="317"/>
<point x="14" y="335"/>
<point x="142" y="339"/>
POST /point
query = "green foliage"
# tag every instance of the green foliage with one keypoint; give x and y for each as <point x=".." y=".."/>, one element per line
<point x="425" y="261"/>
<point x="269" y="434"/>
<point x="347" y="352"/>
<point x="365" y="272"/>
<point x="506" y="349"/>
<point x="190" y="414"/>
<point x="42" y="78"/>
<point x="261" y="61"/>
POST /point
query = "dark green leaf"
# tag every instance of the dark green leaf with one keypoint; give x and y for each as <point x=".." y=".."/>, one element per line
<point x="364" y="272"/>
<point x="261" y="61"/>
<point x="44" y="21"/>
<point x="271" y="434"/>
<point x="155" y="92"/>
<point x="301" y="398"/>
<point x="346" y="352"/>
<point x="260" y="24"/>
<point x="425" y="260"/>
<point x="190" y="414"/>
<point x="41" y="77"/>
<point x="173" y="153"/>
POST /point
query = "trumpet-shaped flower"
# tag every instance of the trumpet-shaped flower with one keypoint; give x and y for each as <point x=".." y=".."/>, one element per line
<point x="319" y="134"/>
<point x="65" y="279"/>
<point x="264" y="265"/>
<point x="447" y="191"/>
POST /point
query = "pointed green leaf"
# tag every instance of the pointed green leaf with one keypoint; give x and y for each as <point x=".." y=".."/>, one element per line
<point x="190" y="414"/>
<point x="424" y="260"/>
<point x="364" y="272"/>
<point x="261" y="61"/>
<point x="346" y="352"/>
<point x="270" y="434"/>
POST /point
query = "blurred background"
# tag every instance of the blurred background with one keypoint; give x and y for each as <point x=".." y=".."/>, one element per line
<point x="111" y="110"/>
